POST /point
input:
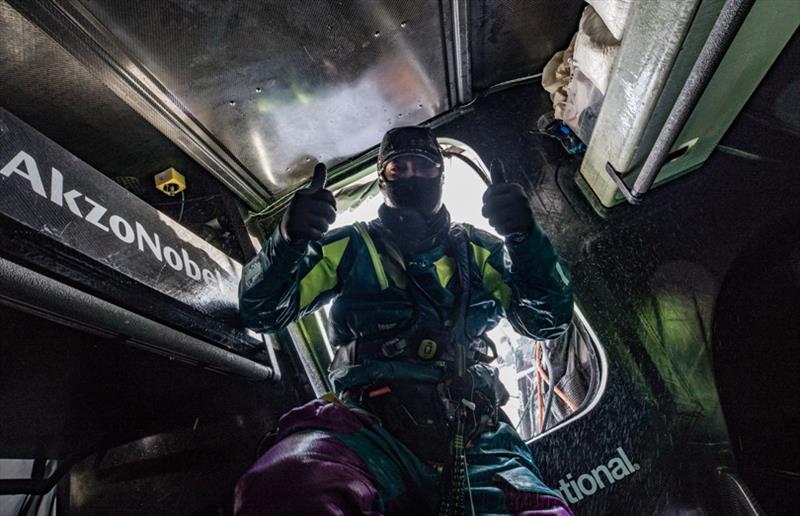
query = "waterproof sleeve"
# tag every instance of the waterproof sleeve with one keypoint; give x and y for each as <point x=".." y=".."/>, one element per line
<point x="282" y="284"/>
<point x="528" y="280"/>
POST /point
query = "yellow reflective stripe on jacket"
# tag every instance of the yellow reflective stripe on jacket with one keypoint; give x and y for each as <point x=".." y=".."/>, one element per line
<point x="445" y="268"/>
<point x="492" y="279"/>
<point x="373" y="255"/>
<point x="394" y="271"/>
<point x="322" y="277"/>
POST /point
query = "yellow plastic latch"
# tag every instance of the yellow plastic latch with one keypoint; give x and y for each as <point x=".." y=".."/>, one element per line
<point x="427" y="349"/>
<point x="170" y="181"/>
<point x="330" y="397"/>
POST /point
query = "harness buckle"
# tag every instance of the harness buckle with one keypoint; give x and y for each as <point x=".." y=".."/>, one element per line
<point x="427" y="349"/>
<point x="394" y="347"/>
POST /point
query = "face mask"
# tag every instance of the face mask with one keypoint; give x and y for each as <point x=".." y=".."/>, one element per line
<point x="422" y="194"/>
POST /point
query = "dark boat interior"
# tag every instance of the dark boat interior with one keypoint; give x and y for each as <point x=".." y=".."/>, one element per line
<point x="123" y="391"/>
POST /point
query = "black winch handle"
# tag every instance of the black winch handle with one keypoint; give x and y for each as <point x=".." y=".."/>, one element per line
<point x="497" y="171"/>
<point x="318" y="180"/>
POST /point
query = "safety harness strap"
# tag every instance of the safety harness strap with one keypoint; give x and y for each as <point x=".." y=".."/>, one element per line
<point x="373" y="254"/>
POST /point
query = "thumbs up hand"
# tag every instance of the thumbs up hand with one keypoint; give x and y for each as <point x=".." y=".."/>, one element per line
<point x="311" y="211"/>
<point x="506" y="205"/>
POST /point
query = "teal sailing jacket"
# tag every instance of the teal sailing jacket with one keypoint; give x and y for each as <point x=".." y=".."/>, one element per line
<point x="377" y="293"/>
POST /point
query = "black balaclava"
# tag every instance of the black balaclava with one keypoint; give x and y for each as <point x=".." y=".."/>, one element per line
<point x="412" y="211"/>
<point x="421" y="194"/>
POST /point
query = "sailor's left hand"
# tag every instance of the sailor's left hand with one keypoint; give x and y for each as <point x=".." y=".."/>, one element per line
<point x="508" y="209"/>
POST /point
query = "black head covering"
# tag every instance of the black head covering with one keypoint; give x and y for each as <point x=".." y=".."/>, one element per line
<point x="422" y="194"/>
<point x="409" y="141"/>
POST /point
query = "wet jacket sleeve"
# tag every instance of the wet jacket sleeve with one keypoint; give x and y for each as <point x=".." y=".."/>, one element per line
<point x="282" y="283"/>
<point x="530" y="282"/>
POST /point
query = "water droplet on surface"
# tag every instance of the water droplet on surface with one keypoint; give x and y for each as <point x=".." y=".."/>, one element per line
<point x="399" y="115"/>
<point x="232" y="102"/>
<point x="377" y="34"/>
<point x="403" y="24"/>
<point x="258" y="90"/>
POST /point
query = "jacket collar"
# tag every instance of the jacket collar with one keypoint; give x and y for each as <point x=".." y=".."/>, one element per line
<point x="410" y="232"/>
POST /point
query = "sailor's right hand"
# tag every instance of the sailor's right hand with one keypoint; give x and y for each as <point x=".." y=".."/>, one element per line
<point x="311" y="211"/>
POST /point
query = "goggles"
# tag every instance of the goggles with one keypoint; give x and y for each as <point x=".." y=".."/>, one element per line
<point x="404" y="167"/>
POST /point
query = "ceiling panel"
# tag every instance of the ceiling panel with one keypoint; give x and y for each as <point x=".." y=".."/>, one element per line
<point x="257" y="92"/>
<point x="283" y="84"/>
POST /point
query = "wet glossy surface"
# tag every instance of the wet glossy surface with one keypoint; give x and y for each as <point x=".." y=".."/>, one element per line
<point x="283" y="84"/>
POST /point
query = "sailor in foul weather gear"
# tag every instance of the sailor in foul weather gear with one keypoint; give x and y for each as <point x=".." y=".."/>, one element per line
<point x="415" y="423"/>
